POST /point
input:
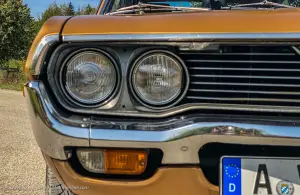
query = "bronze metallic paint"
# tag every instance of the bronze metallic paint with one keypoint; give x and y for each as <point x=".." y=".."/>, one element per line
<point x="167" y="180"/>
<point x="224" y="21"/>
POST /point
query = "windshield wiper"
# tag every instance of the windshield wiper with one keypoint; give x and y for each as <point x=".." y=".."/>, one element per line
<point x="142" y="7"/>
<point x="263" y="4"/>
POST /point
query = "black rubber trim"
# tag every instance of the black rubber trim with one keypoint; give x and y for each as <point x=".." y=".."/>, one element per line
<point x="154" y="162"/>
<point x="62" y="28"/>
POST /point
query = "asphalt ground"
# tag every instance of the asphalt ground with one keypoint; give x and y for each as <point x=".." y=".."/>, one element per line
<point x="22" y="169"/>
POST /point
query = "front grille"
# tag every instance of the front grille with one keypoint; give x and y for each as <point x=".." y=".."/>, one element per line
<point x="244" y="74"/>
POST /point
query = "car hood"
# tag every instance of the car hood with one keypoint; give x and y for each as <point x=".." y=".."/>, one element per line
<point x="230" y="21"/>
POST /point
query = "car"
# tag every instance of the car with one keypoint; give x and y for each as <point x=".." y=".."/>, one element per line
<point x="169" y="97"/>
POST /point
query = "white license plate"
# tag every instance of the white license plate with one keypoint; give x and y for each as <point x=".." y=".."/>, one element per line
<point x="259" y="176"/>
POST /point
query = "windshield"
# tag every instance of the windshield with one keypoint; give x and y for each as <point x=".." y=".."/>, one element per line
<point x="115" y="5"/>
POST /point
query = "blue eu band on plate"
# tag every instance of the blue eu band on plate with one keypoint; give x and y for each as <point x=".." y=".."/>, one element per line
<point x="259" y="176"/>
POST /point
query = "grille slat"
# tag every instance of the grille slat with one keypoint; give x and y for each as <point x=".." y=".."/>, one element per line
<point x="246" y="61"/>
<point x="266" y="75"/>
<point x="243" y="76"/>
<point x="243" y="69"/>
<point x="243" y="99"/>
<point x="240" y="91"/>
<point x="245" y="84"/>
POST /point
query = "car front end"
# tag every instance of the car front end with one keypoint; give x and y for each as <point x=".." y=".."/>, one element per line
<point x="150" y="104"/>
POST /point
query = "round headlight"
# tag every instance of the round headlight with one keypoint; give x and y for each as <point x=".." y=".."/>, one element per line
<point x="158" y="78"/>
<point x="90" y="77"/>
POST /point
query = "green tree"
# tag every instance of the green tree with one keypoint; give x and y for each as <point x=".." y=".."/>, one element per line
<point x="86" y="10"/>
<point x="16" y="30"/>
<point x="55" y="10"/>
<point x="67" y="9"/>
<point x="89" y="10"/>
<point x="52" y="10"/>
<point x="70" y="10"/>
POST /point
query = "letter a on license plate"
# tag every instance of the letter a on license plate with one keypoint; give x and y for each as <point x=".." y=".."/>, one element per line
<point x="259" y="176"/>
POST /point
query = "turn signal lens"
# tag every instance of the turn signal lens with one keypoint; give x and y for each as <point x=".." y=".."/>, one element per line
<point x="125" y="162"/>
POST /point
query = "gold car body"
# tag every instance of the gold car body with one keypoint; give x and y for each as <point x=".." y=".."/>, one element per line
<point x="181" y="173"/>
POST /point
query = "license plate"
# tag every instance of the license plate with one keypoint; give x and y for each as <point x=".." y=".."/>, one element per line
<point x="259" y="176"/>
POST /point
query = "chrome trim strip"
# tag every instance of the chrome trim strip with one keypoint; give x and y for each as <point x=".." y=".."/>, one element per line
<point x="200" y="128"/>
<point x="44" y="45"/>
<point x="54" y="130"/>
<point x="145" y="112"/>
<point x="180" y="37"/>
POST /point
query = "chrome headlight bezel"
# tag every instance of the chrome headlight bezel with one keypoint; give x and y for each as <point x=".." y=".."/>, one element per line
<point x="86" y="104"/>
<point x="166" y="104"/>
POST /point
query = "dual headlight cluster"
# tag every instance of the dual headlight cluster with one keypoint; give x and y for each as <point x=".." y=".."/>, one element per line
<point x="157" y="78"/>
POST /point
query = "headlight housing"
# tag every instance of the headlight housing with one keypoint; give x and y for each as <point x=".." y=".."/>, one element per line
<point x="159" y="79"/>
<point x="89" y="77"/>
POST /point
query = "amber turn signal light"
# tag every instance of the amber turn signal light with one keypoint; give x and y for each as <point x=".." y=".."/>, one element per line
<point x="123" y="162"/>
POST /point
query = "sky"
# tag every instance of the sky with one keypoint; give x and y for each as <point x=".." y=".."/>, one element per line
<point x="38" y="6"/>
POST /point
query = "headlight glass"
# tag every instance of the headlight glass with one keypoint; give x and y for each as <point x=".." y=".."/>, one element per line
<point x="157" y="79"/>
<point x="90" y="77"/>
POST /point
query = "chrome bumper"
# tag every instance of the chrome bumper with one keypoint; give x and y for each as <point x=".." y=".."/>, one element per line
<point x="180" y="138"/>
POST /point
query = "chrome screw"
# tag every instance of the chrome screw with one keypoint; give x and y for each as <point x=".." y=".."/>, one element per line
<point x="84" y="125"/>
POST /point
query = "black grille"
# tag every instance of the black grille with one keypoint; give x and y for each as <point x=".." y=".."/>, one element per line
<point x="244" y="74"/>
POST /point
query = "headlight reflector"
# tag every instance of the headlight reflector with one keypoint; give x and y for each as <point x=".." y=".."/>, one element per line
<point x="90" y="77"/>
<point x="157" y="78"/>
